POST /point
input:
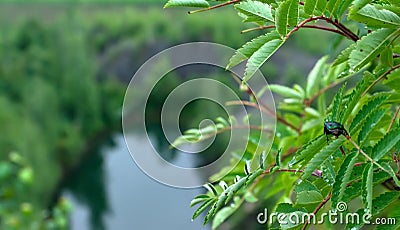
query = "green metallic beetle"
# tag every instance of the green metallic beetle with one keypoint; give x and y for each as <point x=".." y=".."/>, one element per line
<point x="334" y="128"/>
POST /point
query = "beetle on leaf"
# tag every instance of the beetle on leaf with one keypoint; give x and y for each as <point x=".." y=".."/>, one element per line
<point x="334" y="128"/>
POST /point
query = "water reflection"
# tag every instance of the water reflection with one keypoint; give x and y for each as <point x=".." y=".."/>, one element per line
<point x="129" y="198"/>
<point x="88" y="189"/>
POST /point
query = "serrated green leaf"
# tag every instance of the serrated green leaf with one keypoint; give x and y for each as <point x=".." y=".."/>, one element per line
<point x="278" y="158"/>
<point x="203" y="207"/>
<point x="307" y="193"/>
<point x="328" y="172"/>
<point x="299" y="89"/>
<point x="250" y="48"/>
<point x="372" y="16"/>
<point x="286" y="14"/>
<point x="392" y="173"/>
<point x="231" y="191"/>
<point x="344" y="55"/>
<point x="305" y="186"/>
<point x="365" y="111"/>
<point x="368" y="48"/>
<point x="358" y="5"/>
<point x="312" y="112"/>
<point x="313" y="123"/>
<point x="260" y="56"/>
<point x="342" y="7"/>
<point x="321" y="156"/>
<point x="342" y="178"/>
<point x="293" y="14"/>
<point x="308" y="151"/>
<point x="381" y="202"/>
<point x="309" y="6"/>
<point x="371" y="121"/>
<point x="285" y="91"/>
<point x="332" y="7"/>
<point x="355" y="95"/>
<point x="386" y="143"/>
<point x="393" y="80"/>
<point x="198" y="199"/>
<point x="314" y="77"/>
<point x="211" y="189"/>
<point x="367" y="179"/>
<point x="255" y="11"/>
<point x="337" y="102"/>
<point x="187" y="3"/>
<point x="378" y="205"/>
<point x="224" y="213"/>
<point x="320" y="7"/>
<point x="285" y="223"/>
<point x="216" y="206"/>
<point x="308" y="197"/>
<point x="386" y="56"/>
<point x="254" y="175"/>
<point x="354" y="189"/>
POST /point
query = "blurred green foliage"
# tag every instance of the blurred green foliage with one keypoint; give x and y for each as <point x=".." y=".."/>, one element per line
<point x="50" y="100"/>
<point x="63" y="71"/>
<point x="16" y="210"/>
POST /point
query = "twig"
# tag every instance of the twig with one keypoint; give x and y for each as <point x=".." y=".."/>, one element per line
<point x="381" y="77"/>
<point x="254" y="127"/>
<point x="321" y="91"/>
<point x="393" y="119"/>
<point x="365" y="155"/>
<point x="346" y="32"/>
<point x="268" y="171"/>
<point x="214" y="7"/>
<point x="251" y="104"/>
<point x="258" y="28"/>
<point x="394" y="39"/>
<point x="301" y="24"/>
<point x="341" y="27"/>
<point x="265" y="110"/>
<point x="305" y="26"/>
<point x="316" y="210"/>
<point x="326" y="29"/>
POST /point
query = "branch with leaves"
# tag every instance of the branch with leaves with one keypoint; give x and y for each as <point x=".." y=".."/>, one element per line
<point x="316" y="168"/>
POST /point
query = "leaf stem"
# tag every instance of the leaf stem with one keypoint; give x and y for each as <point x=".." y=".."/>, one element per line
<point x="321" y="91"/>
<point x="268" y="171"/>
<point x="342" y="29"/>
<point x="393" y="119"/>
<point x="214" y="7"/>
<point x="305" y="26"/>
<point x="265" y="110"/>
<point x="345" y="30"/>
<point x="365" y="155"/>
<point x="316" y="210"/>
<point x="258" y="28"/>
<point x="254" y="127"/>
<point x="381" y="77"/>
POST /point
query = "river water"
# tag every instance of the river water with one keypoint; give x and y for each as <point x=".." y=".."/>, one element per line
<point x="134" y="200"/>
